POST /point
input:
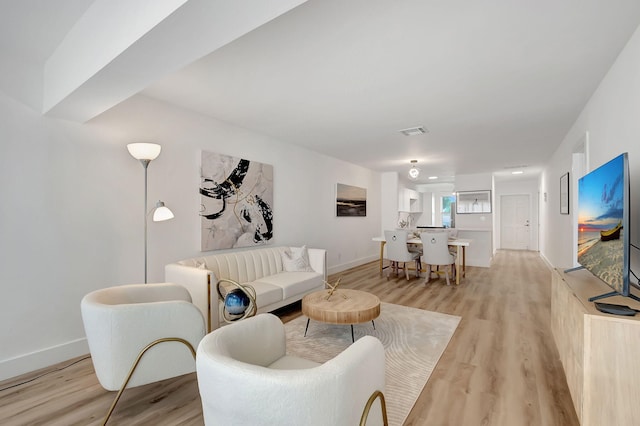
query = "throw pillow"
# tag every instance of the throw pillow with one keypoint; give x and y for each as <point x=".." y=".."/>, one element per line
<point x="296" y="260"/>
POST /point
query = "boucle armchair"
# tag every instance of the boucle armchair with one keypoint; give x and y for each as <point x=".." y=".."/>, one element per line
<point x="246" y="378"/>
<point x="155" y="325"/>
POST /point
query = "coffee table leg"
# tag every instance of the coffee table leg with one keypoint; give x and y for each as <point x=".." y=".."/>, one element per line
<point x="374" y="324"/>
<point x="352" y="339"/>
<point x="307" y="327"/>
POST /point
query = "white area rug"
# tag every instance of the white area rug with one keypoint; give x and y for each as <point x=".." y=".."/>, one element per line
<point x="413" y="339"/>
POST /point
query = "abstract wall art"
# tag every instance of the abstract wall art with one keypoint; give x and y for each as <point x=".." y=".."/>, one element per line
<point x="236" y="202"/>
<point x="351" y="200"/>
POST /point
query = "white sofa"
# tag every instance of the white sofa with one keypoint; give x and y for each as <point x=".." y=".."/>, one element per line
<point x="277" y="283"/>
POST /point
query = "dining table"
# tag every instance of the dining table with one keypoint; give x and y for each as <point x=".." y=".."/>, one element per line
<point x="460" y="243"/>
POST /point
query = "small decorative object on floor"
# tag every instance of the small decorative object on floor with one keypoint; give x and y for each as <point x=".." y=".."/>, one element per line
<point x="332" y="288"/>
<point x="239" y="300"/>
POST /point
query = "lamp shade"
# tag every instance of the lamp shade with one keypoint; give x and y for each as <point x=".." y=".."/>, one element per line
<point x="162" y="212"/>
<point x="144" y="150"/>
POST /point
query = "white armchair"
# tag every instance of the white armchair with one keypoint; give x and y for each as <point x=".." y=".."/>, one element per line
<point x="246" y="378"/>
<point x="154" y="324"/>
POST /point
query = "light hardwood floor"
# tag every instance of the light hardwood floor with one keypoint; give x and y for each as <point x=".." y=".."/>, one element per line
<point x="500" y="368"/>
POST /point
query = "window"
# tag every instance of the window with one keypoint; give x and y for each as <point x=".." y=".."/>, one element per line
<point x="447" y="215"/>
<point x="474" y="202"/>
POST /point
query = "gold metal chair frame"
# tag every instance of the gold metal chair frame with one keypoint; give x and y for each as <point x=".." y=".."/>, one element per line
<point x="367" y="408"/>
<point x="135" y="365"/>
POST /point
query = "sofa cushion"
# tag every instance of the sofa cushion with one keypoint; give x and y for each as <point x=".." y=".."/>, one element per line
<point x="266" y="293"/>
<point x="296" y="260"/>
<point x="292" y="283"/>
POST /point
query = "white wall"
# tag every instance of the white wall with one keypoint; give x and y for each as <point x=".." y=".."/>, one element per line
<point x="71" y="212"/>
<point x="611" y="119"/>
<point x="389" y="201"/>
<point x="476" y="227"/>
<point x="475" y="182"/>
<point x="426" y="218"/>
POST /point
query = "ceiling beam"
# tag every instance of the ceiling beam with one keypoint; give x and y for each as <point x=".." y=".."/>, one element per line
<point x="119" y="47"/>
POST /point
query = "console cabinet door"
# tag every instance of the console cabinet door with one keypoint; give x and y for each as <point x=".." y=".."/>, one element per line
<point x="599" y="352"/>
<point x="568" y="331"/>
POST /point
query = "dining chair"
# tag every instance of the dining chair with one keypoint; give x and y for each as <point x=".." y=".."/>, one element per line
<point x="453" y="235"/>
<point x="398" y="252"/>
<point x="435" y="252"/>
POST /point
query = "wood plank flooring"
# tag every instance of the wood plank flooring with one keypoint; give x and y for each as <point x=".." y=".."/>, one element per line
<point x="500" y="368"/>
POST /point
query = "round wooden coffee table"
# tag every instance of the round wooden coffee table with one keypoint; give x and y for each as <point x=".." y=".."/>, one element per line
<point x="345" y="306"/>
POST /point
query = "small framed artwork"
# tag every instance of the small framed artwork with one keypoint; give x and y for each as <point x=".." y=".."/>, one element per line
<point x="469" y="202"/>
<point x="564" y="193"/>
<point x="351" y="200"/>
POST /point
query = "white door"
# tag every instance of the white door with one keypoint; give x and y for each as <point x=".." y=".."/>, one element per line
<point x="514" y="222"/>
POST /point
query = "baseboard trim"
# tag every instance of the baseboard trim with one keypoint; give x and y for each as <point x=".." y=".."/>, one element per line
<point x="546" y="261"/>
<point x="26" y="363"/>
<point x="357" y="262"/>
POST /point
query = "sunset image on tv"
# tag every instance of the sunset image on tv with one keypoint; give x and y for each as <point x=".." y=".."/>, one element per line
<point x="600" y="222"/>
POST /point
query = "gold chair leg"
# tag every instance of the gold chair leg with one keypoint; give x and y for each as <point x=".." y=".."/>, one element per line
<point x="367" y="408"/>
<point x="135" y="365"/>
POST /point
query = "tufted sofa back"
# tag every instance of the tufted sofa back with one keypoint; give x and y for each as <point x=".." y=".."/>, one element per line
<point x="242" y="266"/>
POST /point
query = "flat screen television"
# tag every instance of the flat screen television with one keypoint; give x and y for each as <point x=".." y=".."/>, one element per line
<point x="603" y="225"/>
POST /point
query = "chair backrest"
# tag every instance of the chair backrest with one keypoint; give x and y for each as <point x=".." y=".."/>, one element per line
<point x="138" y="293"/>
<point x="396" y="245"/>
<point x="435" y="248"/>
<point x="237" y="385"/>
<point x="239" y="341"/>
<point x="120" y="321"/>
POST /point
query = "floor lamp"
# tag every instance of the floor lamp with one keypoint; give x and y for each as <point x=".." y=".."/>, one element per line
<point x="147" y="152"/>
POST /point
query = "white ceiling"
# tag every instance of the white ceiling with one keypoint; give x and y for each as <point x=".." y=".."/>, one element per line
<point x="32" y="29"/>
<point x="497" y="83"/>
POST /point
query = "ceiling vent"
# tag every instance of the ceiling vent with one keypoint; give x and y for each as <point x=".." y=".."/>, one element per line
<point x="413" y="131"/>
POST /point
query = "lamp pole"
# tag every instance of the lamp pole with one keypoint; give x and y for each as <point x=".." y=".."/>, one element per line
<point x="145" y="152"/>
<point x="145" y="164"/>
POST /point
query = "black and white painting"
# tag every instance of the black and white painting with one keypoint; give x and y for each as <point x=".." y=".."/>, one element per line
<point x="351" y="200"/>
<point x="236" y="202"/>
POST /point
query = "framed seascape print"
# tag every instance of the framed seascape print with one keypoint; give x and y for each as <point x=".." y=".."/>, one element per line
<point x="236" y="202"/>
<point x="473" y="202"/>
<point x="351" y="200"/>
<point x="564" y="193"/>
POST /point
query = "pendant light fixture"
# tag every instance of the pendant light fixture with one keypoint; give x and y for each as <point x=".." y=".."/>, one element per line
<point x="414" y="172"/>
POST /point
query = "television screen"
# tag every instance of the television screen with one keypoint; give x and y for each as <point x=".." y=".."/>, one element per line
<point x="603" y="224"/>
